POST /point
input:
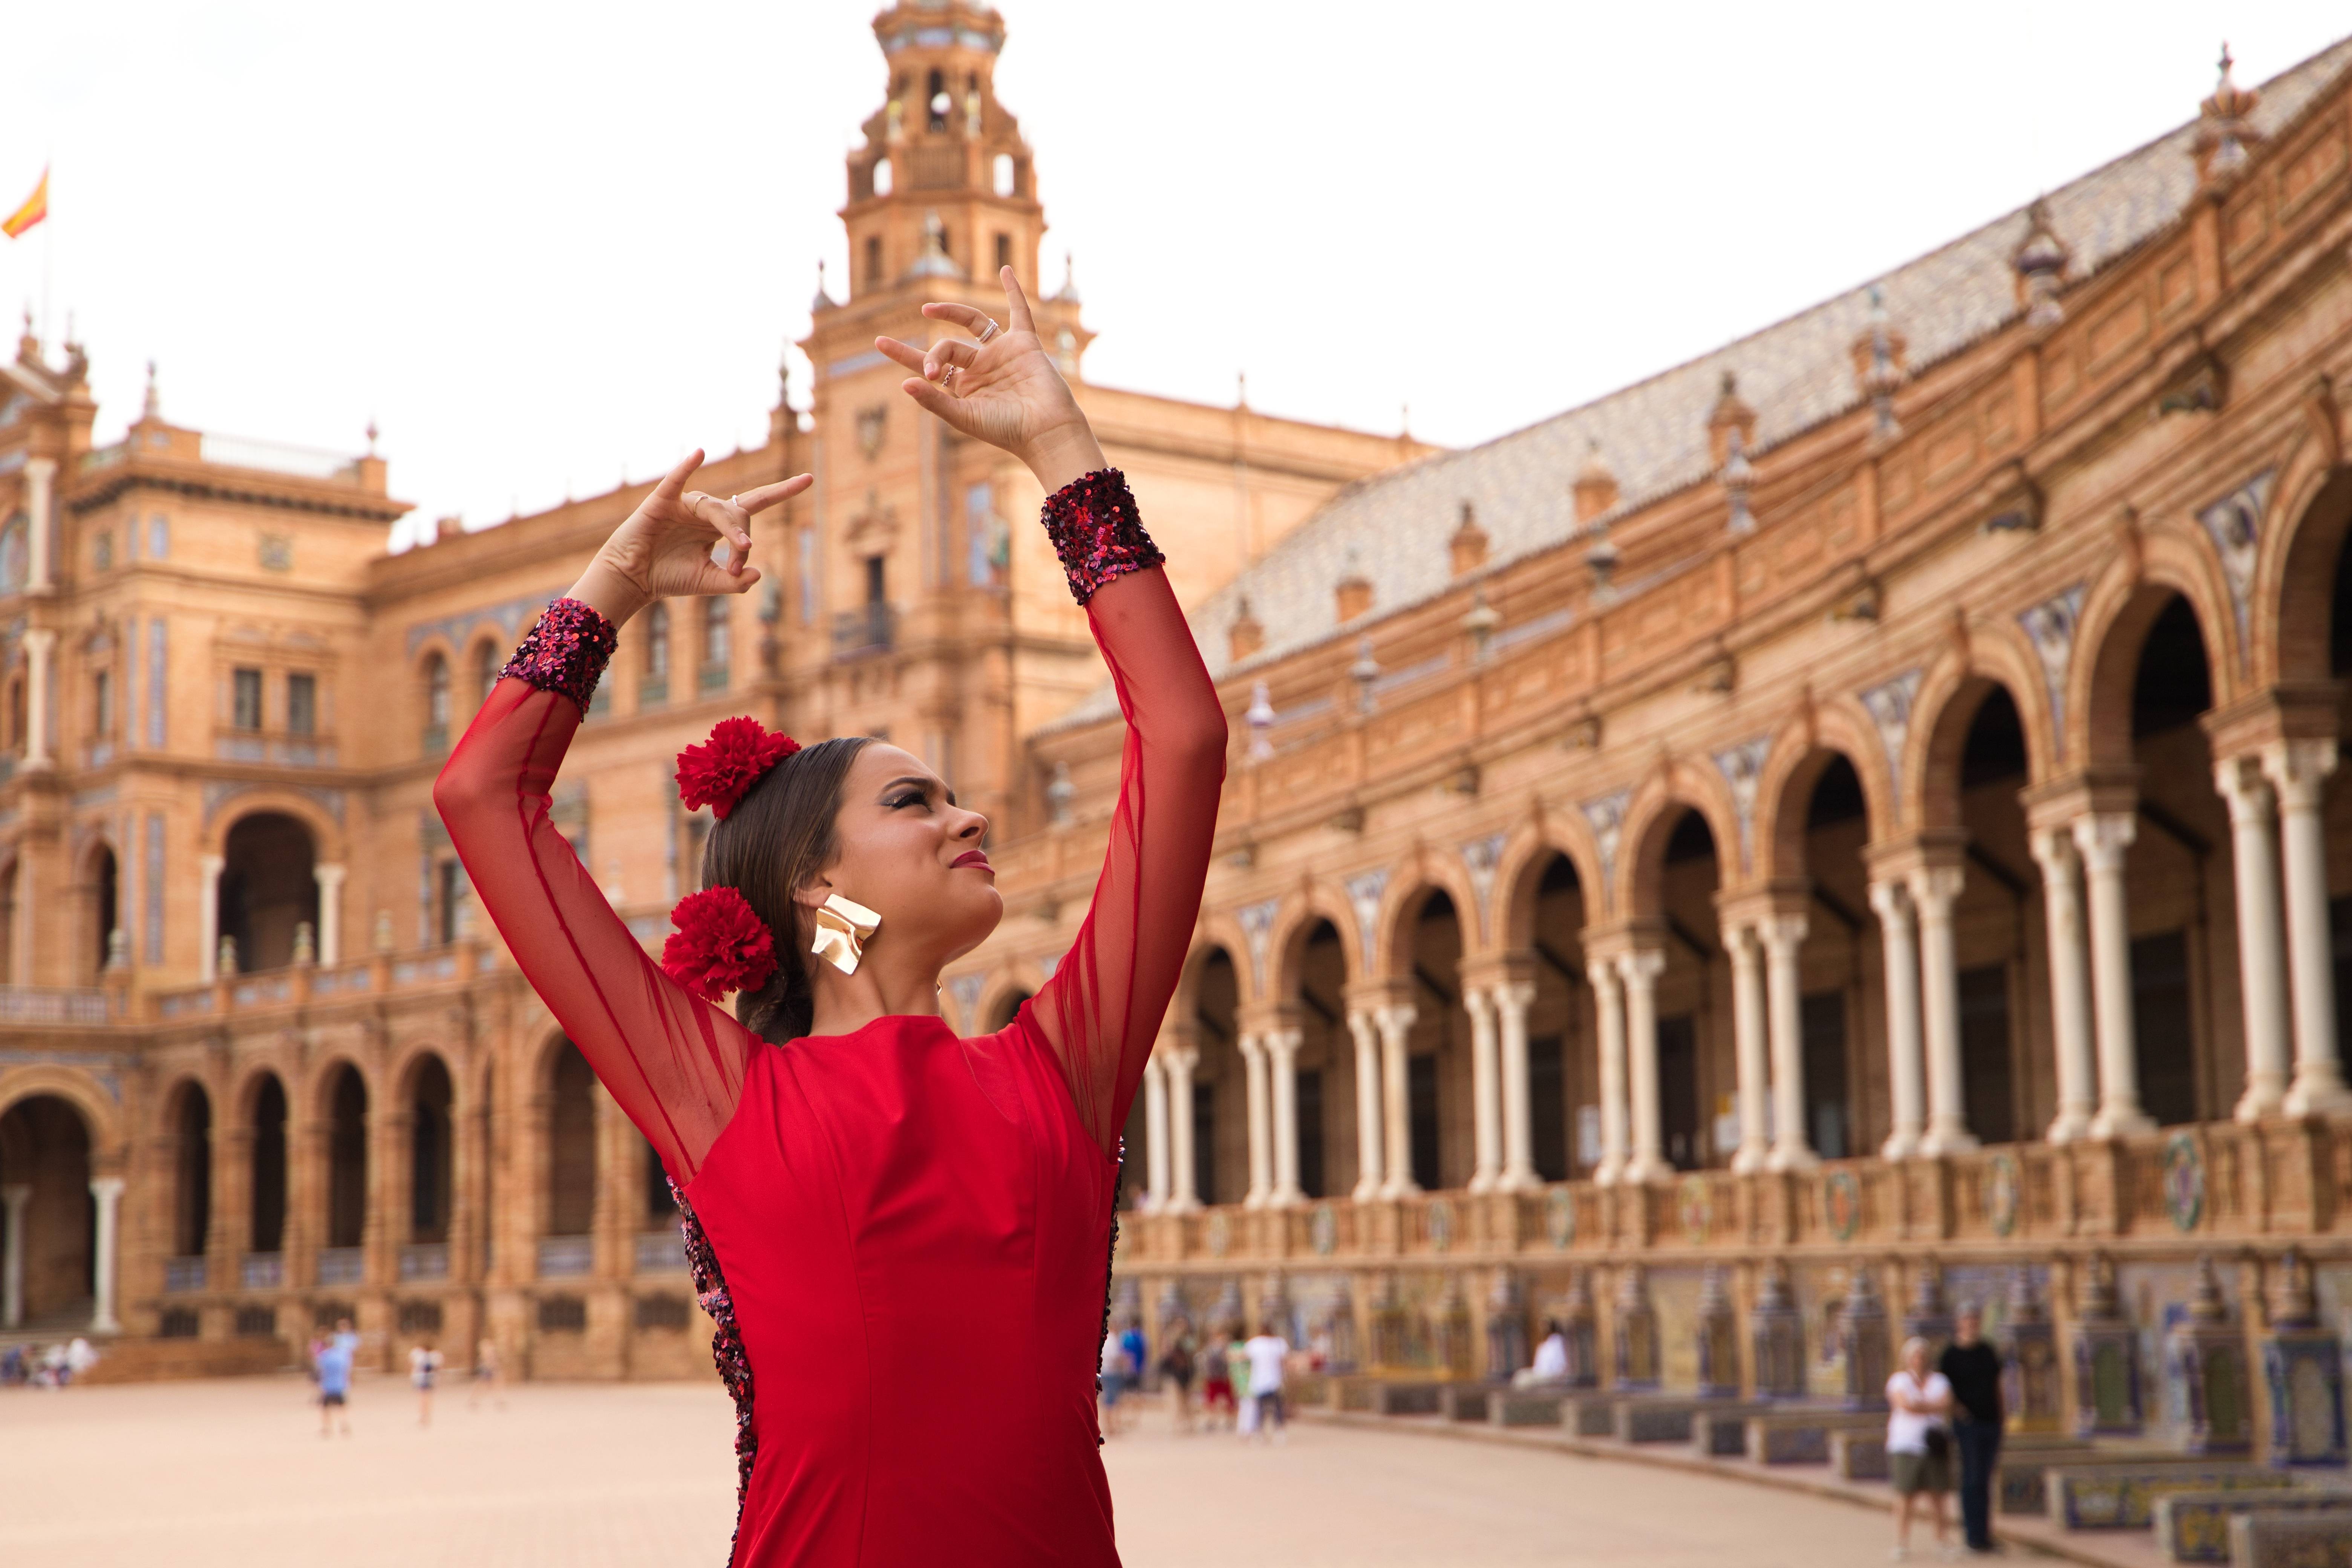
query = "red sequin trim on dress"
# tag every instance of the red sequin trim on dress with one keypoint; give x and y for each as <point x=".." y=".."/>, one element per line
<point x="1097" y="532"/>
<point x="566" y="651"/>
<point x="726" y="1347"/>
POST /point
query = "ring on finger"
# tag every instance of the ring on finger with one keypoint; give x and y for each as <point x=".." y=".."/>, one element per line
<point x="947" y="377"/>
<point x="990" y="331"/>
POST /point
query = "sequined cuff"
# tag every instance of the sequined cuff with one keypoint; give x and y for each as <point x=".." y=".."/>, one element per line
<point x="566" y="651"/>
<point x="1097" y="532"/>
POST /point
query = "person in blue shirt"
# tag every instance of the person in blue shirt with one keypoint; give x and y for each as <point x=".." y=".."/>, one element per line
<point x="334" y="1363"/>
<point x="1131" y="1341"/>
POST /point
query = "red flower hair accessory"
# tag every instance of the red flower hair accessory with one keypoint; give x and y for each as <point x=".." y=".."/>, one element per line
<point x="721" y="944"/>
<point x="723" y="770"/>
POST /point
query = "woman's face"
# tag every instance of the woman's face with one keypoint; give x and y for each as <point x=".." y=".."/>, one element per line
<point x="1916" y="1362"/>
<point x="913" y="857"/>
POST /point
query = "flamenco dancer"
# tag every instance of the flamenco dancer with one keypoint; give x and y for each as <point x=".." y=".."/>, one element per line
<point x="847" y="1169"/>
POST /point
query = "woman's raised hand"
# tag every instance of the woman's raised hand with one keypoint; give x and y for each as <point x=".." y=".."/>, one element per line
<point x="999" y="386"/>
<point x="679" y="542"/>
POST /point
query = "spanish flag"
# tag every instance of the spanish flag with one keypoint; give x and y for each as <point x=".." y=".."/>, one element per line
<point x="36" y="208"/>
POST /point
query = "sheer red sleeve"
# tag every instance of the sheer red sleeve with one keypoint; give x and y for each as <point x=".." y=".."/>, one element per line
<point x="672" y="1061"/>
<point x="1101" y="1009"/>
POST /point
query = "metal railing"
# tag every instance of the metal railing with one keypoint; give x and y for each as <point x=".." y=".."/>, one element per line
<point x="261" y="1270"/>
<point x="425" y="1260"/>
<point x="874" y="629"/>
<point x="184" y="1274"/>
<point x="341" y="1265"/>
<point x="566" y="1257"/>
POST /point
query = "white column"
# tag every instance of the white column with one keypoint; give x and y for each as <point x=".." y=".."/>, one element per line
<point x="108" y="1191"/>
<point x="1609" y="1012"/>
<point x="2070" y="983"/>
<point x="39" y="643"/>
<point x="1783" y="935"/>
<point x="2103" y="837"/>
<point x="2299" y="770"/>
<point x="1396" y="1098"/>
<point x="1369" y="1162"/>
<point x="1261" y="1122"/>
<point x="1179" y="1065"/>
<point x="1934" y="890"/>
<point x="1640" y="970"/>
<point x="13" y="1198"/>
<point x="330" y="877"/>
<point x="1156" y="1166"/>
<point x="208" y="875"/>
<point x="1905" y="1082"/>
<point x="1748" y="1035"/>
<point x="1512" y="1000"/>
<point x="1485" y="1094"/>
<point x="1282" y="1065"/>
<point x="2262" y="935"/>
<point x="38" y="472"/>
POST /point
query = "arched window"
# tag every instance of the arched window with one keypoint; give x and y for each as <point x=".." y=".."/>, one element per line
<point x="486" y="665"/>
<point x="936" y="98"/>
<point x="1002" y="172"/>
<point x="873" y="258"/>
<point x="881" y="188"/>
<point x="717" y="637"/>
<point x="654" y="685"/>
<point x="437" y="704"/>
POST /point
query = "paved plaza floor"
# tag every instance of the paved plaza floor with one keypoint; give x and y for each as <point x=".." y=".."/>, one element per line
<point x="205" y="1475"/>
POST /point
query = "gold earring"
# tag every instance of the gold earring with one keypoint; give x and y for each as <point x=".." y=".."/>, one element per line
<point x="843" y="930"/>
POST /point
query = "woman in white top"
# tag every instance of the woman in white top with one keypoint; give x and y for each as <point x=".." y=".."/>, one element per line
<point x="1918" y="1444"/>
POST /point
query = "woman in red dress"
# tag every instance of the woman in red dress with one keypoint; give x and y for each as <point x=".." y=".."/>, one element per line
<point x="902" y="1236"/>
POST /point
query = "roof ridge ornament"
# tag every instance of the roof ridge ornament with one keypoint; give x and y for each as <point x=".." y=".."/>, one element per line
<point x="2040" y="261"/>
<point x="2224" y="129"/>
<point x="1884" y="374"/>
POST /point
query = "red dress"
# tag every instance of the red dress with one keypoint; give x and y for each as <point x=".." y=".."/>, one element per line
<point x="903" y="1236"/>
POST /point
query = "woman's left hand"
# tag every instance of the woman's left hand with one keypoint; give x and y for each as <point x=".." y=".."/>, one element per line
<point x="999" y="386"/>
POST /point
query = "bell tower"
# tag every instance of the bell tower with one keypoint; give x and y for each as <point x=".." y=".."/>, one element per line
<point x="944" y="188"/>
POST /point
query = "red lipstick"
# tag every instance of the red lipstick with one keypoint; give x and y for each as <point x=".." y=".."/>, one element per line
<point x="971" y="858"/>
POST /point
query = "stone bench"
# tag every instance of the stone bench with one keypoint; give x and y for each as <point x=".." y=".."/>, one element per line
<point x="1409" y="1398"/>
<point x="1526" y="1406"/>
<point x="2019" y="1485"/>
<point x="1859" y="1453"/>
<point x="2123" y="1497"/>
<point x="1589" y="1414"/>
<point x="2282" y="1539"/>
<point x="2194" y="1527"/>
<point x="1719" y="1431"/>
<point x="1664" y="1418"/>
<point x="1372" y="1395"/>
<point x="1465" y="1400"/>
<point x="1780" y="1435"/>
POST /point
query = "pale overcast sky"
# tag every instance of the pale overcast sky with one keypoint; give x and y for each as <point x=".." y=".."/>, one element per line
<point x="546" y="246"/>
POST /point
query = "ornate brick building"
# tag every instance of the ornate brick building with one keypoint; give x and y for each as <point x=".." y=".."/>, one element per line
<point x="259" y="1063"/>
<point x="1850" y="817"/>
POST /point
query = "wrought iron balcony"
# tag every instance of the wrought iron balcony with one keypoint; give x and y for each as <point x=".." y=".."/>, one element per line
<point x="184" y="1274"/>
<point x="261" y="1270"/>
<point x="660" y="1252"/>
<point x="566" y="1257"/>
<point x="425" y="1260"/>
<point x="872" y="628"/>
<point x="341" y="1265"/>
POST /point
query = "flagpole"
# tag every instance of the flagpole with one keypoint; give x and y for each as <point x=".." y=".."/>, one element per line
<point x="48" y="256"/>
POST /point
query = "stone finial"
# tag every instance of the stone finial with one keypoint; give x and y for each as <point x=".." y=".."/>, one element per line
<point x="224" y="963"/>
<point x="1069" y="291"/>
<point x="1468" y="546"/>
<point x="306" y="945"/>
<point x="1365" y="673"/>
<point x="934" y="261"/>
<point x="2224" y="130"/>
<point x="2040" y="261"/>
<point x="117" y="950"/>
<point x="1354" y="590"/>
<point x="1730" y="414"/>
<point x="1260" y="718"/>
<point x="1246" y="637"/>
<point x="1878" y="367"/>
<point x="1738" y="477"/>
<point x="1601" y="560"/>
<point x="1059" y="795"/>
<point x="372" y="434"/>
<point x="2293" y="1303"/>
<point x="1596" y="485"/>
<point x="1480" y="622"/>
<point x="152" y="409"/>
<point x="824" y="301"/>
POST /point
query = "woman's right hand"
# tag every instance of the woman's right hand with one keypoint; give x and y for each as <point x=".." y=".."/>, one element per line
<point x="664" y="548"/>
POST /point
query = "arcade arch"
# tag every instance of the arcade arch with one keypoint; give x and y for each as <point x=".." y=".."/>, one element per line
<point x="268" y="889"/>
<point x="49" y="1212"/>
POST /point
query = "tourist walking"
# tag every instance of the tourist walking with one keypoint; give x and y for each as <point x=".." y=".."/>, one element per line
<point x="1176" y="1374"/>
<point x="1237" y="1370"/>
<point x="424" y="1372"/>
<point x="486" y="1374"/>
<point x="334" y="1363"/>
<point x="1266" y="1352"/>
<point x="1972" y="1366"/>
<point x="1111" y="1383"/>
<point x="875" y="1167"/>
<point x="1918" y="1444"/>
<point x="1217" y="1402"/>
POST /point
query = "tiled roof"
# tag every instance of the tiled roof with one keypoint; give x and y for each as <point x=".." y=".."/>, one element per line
<point x="1795" y="374"/>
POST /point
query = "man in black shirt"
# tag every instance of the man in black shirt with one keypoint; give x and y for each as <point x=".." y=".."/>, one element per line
<point x="1973" y="1369"/>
